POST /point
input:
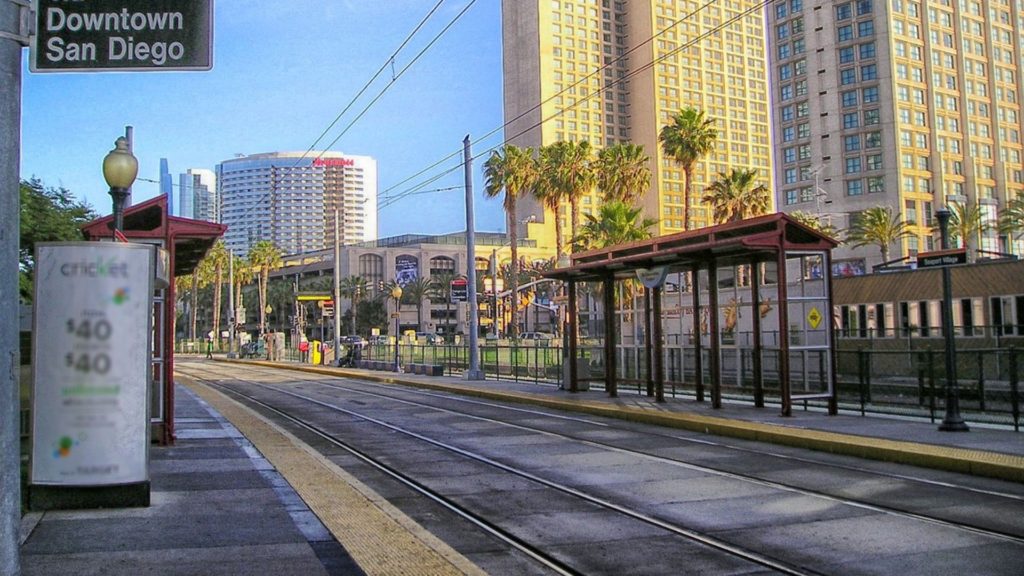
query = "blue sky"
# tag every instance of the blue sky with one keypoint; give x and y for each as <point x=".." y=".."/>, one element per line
<point x="282" y="72"/>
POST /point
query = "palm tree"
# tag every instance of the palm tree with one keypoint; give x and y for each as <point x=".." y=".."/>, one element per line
<point x="965" y="223"/>
<point x="546" y="190"/>
<point x="243" y="274"/>
<point x="353" y="288"/>
<point x="201" y="278"/>
<point x="616" y="222"/>
<point x="735" y="197"/>
<point x="513" y="170"/>
<point x="264" y="257"/>
<point x="877" y="225"/>
<point x="575" y="174"/>
<point x="218" y="258"/>
<point x="414" y="292"/>
<point x="1011" y="221"/>
<point x="814" y="222"/>
<point x="623" y="172"/>
<point x="441" y="289"/>
<point x="689" y="137"/>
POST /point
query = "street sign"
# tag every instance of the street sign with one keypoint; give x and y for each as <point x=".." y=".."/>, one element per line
<point x="941" y="258"/>
<point x="313" y="296"/>
<point x="814" y="318"/>
<point x="459" y="290"/>
<point x="122" y="35"/>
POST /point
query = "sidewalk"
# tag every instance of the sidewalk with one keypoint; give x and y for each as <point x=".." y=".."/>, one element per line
<point x="994" y="453"/>
<point x="218" y="507"/>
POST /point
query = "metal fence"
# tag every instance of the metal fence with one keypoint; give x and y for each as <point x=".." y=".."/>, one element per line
<point x="907" y="382"/>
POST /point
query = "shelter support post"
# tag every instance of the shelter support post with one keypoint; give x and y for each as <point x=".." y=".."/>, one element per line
<point x="755" y="297"/>
<point x="784" y="384"/>
<point x="648" y="350"/>
<point x="610" y="363"/>
<point x="698" y="360"/>
<point x="657" y="348"/>
<point x="716" y="341"/>
<point x="573" y="311"/>
<point x="833" y="399"/>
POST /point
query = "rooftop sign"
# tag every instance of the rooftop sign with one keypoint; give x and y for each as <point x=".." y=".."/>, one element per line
<point x="122" y="35"/>
<point x="942" y="258"/>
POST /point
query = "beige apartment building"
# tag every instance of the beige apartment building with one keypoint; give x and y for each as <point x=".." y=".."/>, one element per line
<point x="611" y="71"/>
<point x="906" y="104"/>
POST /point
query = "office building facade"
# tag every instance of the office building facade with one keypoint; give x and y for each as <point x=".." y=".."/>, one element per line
<point x="197" y="191"/>
<point x="290" y="199"/>
<point x="611" y="71"/>
<point x="909" y="105"/>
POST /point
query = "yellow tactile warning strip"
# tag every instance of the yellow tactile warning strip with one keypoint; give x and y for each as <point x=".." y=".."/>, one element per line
<point x="963" y="460"/>
<point x="380" y="538"/>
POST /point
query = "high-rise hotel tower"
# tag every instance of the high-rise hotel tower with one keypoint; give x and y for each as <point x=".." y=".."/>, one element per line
<point x="290" y="198"/>
<point x="611" y="71"/>
<point x="900" y="103"/>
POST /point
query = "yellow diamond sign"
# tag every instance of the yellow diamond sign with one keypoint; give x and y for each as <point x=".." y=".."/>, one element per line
<point x="814" y="318"/>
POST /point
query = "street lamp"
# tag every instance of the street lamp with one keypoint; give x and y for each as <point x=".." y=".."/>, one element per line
<point x="396" y="293"/>
<point x="119" y="170"/>
<point x="952" y="422"/>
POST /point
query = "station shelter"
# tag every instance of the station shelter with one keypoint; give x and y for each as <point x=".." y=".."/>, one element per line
<point x="186" y="242"/>
<point x="743" y="307"/>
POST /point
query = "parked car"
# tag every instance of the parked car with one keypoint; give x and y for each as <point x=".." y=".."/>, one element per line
<point x="430" y="338"/>
<point x="379" y="339"/>
<point x="353" y="340"/>
<point x="254" y="349"/>
<point x="537" y="336"/>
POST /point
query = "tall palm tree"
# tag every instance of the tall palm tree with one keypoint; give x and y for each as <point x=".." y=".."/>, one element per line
<point x="264" y="257"/>
<point x="243" y="274"/>
<point x="201" y="278"/>
<point x="353" y="288"/>
<point x="513" y="170"/>
<point x="689" y="137"/>
<point x="549" y="193"/>
<point x="1011" y="221"/>
<point x="736" y="196"/>
<point x="965" y="223"/>
<point x="616" y="222"/>
<point x="575" y="174"/>
<point x="218" y="258"/>
<point x="877" y="225"/>
<point x="623" y="172"/>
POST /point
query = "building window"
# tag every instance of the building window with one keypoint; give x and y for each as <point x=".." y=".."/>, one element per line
<point x="871" y="117"/>
<point x="854" y="188"/>
<point x="866" y="28"/>
<point x="863" y="7"/>
<point x="785" y="72"/>
<point x="844" y="12"/>
<point x="780" y="11"/>
<point x="869" y="95"/>
<point x="874" y="162"/>
<point x="844" y="33"/>
<point x="869" y="72"/>
<point x="788" y="134"/>
<point x="872" y="139"/>
<point x="789" y="155"/>
<point x="849" y="98"/>
<point x="791" y="197"/>
<point x="847" y="76"/>
<point x="787" y="113"/>
<point x="846" y="55"/>
<point x="782" y="31"/>
<point x="851" y="143"/>
<point x="790" y="175"/>
<point x="804" y="151"/>
<point x="803" y="130"/>
<point x="850" y="120"/>
<point x="802" y="109"/>
<point x="783" y="51"/>
<point x="876" y="184"/>
<point x="853" y="165"/>
<point x="867" y="50"/>
<point x="786" y="92"/>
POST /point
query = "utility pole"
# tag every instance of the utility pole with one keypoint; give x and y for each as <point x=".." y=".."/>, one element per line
<point x="474" y="372"/>
<point x="337" y="289"/>
<point x="14" y="31"/>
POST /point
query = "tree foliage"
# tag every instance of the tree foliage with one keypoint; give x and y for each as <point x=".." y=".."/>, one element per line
<point x="877" y="225"/>
<point x="46" y="215"/>
<point x="736" y="195"/>
<point x="689" y="137"/>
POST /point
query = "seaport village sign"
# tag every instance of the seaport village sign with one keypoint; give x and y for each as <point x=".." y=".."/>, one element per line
<point x="122" y="35"/>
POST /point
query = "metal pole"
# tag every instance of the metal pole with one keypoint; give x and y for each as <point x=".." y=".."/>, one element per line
<point x="494" y="291"/>
<point x="952" y="422"/>
<point x="13" y="24"/>
<point x="231" y="305"/>
<point x="337" y="291"/>
<point x="474" y="372"/>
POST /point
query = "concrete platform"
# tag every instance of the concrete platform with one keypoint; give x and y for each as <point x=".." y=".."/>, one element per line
<point x="217" y="507"/>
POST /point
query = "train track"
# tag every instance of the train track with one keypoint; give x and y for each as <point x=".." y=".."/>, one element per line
<point x="291" y="403"/>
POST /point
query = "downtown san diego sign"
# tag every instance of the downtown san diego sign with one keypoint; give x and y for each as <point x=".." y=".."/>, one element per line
<point x="122" y="35"/>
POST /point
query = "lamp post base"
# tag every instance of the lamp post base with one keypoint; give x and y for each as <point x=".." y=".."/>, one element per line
<point x="953" y="425"/>
<point x="473" y="375"/>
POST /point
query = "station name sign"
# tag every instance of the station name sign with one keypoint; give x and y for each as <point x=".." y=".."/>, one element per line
<point x="122" y="35"/>
<point x="941" y="258"/>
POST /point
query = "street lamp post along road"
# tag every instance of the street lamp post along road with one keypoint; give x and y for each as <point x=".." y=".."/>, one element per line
<point x="396" y="293"/>
<point x="952" y="422"/>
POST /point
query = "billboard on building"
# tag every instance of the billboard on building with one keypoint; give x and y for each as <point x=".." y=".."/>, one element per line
<point x="406" y="269"/>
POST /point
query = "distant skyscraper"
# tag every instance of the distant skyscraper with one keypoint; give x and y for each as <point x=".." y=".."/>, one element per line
<point x="290" y="198"/>
<point x="198" y="189"/>
<point x="613" y="71"/>
<point x="167" y="185"/>
<point x="906" y="104"/>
